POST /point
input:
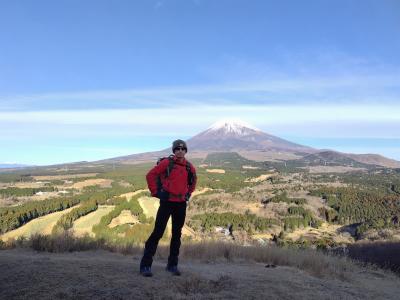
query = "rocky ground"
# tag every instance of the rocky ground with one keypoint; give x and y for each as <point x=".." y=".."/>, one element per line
<point x="103" y="275"/>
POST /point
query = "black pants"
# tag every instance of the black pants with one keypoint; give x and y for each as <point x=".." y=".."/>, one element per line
<point x="177" y="210"/>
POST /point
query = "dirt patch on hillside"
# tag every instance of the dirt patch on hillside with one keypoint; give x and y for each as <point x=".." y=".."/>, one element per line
<point x="219" y="171"/>
<point x="104" y="275"/>
<point x="60" y="177"/>
<point x="104" y="183"/>
<point x="333" y="169"/>
<point x="125" y="217"/>
<point x="250" y="167"/>
<point x="259" y="178"/>
<point x="25" y="185"/>
<point x="128" y="196"/>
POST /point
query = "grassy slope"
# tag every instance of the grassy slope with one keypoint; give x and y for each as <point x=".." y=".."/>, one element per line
<point x="43" y="225"/>
<point x="84" y="224"/>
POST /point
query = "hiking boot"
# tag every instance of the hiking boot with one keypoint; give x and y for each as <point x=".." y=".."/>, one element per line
<point x="173" y="270"/>
<point x="146" y="271"/>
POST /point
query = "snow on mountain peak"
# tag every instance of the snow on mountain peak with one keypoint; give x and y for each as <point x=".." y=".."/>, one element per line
<point x="232" y="126"/>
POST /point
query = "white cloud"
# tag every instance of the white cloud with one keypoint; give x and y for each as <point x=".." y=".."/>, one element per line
<point x="300" y="120"/>
<point x="287" y="90"/>
<point x="205" y="114"/>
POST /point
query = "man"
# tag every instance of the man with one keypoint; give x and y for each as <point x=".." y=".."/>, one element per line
<point x="173" y="181"/>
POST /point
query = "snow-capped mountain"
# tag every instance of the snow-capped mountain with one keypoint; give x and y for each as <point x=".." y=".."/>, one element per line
<point x="231" y="127"/>
<point x="234" y="135"/>
<point x="252" y="143"/>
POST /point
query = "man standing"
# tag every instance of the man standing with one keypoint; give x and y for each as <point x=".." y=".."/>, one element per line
<point x="172" y="180"/>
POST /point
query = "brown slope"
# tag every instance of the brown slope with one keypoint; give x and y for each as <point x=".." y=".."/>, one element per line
<point x="375" y="159"/>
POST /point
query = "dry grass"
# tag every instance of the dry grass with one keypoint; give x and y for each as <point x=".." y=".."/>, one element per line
<point x="197" y="285"/>
<point x="99" y="274"/>
<point x="314" y="262"/>
<point x="101" y="182"/>
<point x="85" y="223"/>
<point x="149" y="205"/>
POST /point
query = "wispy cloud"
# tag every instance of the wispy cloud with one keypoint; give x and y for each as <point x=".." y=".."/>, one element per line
<point x="305" y="119"/>
<point x="285" y="91"/>
<point x="258" y="113"/>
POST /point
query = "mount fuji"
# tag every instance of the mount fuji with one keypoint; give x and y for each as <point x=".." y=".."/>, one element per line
<point x="228" y="135"/>
<point x="254" y="144"/>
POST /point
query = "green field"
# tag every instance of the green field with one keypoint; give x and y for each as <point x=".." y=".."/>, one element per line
<point x="42" y="225"/>
<point x="84" y="224"/>
<point x="150" y="206"/>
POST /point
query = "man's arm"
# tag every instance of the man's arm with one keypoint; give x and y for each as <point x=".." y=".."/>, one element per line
<point x="192" y="187"/>
<point x="153" y="174"/>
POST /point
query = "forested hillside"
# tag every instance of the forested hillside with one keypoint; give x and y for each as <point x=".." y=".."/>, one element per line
<point x="253" y="201"/>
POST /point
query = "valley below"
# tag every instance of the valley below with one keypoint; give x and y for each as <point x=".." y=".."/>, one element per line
<point x="347" y="214"/>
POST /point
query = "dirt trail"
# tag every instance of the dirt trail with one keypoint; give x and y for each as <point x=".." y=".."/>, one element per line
<point x="105" y="275"/>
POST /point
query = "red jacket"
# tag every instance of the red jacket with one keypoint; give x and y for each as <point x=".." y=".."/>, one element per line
<point x="177" y="181"/>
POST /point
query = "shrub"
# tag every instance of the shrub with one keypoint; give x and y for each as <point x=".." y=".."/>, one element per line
<point x="383" y="254"/>
<point x="63" y="242"/>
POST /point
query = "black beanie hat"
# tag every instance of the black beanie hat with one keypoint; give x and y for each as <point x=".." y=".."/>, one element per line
<point x="178" y="143"/>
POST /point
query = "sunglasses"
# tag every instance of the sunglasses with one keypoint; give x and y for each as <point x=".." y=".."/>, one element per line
<point x="180" y="148"/>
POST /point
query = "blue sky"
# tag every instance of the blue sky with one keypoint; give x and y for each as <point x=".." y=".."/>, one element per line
<point x="86" y="80"/>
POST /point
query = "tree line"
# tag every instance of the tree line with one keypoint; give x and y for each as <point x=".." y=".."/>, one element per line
<point x="371" y="209"/>
<point x="20" y="192"/>
<point x="248" y="222"/>
<point x="16" y="216"/>
<point x="283" y="197"/>
<point x="67" y="221"/>
<point x="300" y="217"/>
<point x="124" y="234"/>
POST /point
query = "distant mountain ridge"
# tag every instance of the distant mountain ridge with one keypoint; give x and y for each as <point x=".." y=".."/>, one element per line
<point x="251" y="143"/>
<point x="254" y="144"/>
<point x="375" y="159"/>
<point x="12" y="166"/>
